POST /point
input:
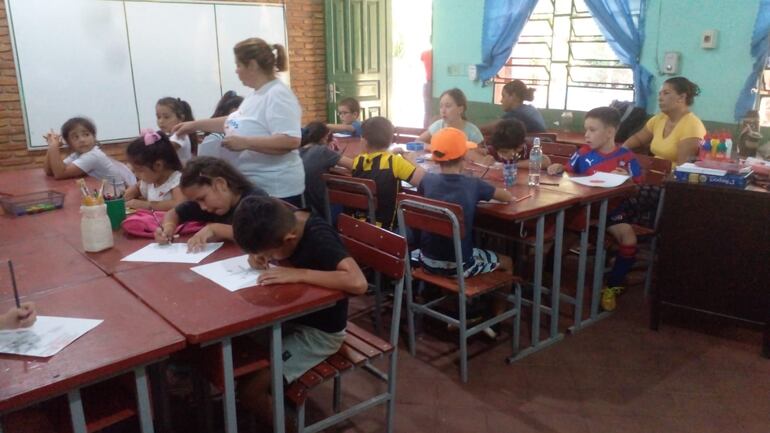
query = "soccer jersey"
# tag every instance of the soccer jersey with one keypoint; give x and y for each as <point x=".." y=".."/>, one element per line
<point x="589" y="161"/>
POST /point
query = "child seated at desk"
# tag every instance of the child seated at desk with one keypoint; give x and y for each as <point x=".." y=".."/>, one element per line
<point x="19" y="317"/>
<point x="157" y="166"/>
<point x="348" y="111"/>
<point x="601" y="153"/>
<point x="213" y="189"/>
<point x="386" y="169"/>
<point x="436" y="254"/>
<point x="307" y="250"/>
<point x="86" y="157"/>
<point x="508" y="143"/>
<point x="317" y="159"/>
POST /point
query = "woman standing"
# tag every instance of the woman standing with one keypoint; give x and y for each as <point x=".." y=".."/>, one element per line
<point x="675" y="133"/>
<point x="266" y="128"/>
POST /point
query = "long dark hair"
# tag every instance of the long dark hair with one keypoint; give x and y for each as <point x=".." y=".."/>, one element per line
<point x="229" y="102"/>
<point x="314" y="132"/>
<point x="183" y="111"/>
<point x="70" y="124"/>
<point x="145" y="155"/>
<point x="518" y="88"/>
<point x="203" y="170"/>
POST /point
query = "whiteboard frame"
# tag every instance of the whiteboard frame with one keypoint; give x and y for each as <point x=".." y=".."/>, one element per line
<point x="19" y="79"/>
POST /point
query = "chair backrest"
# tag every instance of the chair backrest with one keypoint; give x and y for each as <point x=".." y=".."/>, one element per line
<point x="432" y="216"/>
<point x="655" y="170"/>
<point x="552" y="148"/>
<point x="352" y="192"/>
<point x="404" y="134"/>
<point x="382" y="250"/>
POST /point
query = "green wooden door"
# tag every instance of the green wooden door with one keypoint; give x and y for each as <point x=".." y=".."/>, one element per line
<point x="357" y="47"/>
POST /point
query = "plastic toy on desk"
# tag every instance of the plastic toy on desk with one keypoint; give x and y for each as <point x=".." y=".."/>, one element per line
<point x="415" y="146"/>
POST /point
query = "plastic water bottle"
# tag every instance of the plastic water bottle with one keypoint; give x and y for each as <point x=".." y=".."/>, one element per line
<point x="535" y="162"/>
<point x="510" y="171"/>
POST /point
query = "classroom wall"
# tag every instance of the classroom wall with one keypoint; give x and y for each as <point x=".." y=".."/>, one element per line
<point x="305" y="23"/>
<point x="670" y="26"/>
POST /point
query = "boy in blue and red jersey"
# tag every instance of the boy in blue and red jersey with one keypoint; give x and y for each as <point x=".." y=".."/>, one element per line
<point x="600" y="153"/>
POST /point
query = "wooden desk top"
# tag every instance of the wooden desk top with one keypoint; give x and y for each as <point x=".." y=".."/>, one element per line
<point x="204" y="311"/>
<point x="42" y="264"/>
<point x="131" y="335"/>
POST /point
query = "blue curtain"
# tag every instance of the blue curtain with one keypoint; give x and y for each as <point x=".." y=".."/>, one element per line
<point x="760" y="46"/>
<point x="503" y="22"/>
<point x="616" y="22"/>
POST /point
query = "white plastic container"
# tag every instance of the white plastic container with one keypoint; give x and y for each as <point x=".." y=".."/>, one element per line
<point x="95" y="228"/>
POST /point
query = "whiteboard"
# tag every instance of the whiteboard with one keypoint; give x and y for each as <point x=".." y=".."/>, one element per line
<point x="73" y="61"/>
<point x="236" y="22"/>
<point x="111" y="60"/>
<point x="174" y="53"/>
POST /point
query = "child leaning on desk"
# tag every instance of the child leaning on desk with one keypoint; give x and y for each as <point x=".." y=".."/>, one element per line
<point x="156" y="164"/>
<point x="86" y="157"/>
<point x="307" y="250"/>
<point x="348" y="111"/>
<point x="21" y="317"/>
<point x="384" y="168"/>
<point x="507" y="143"/>
<point x="213" y="189"/>
<point x="601" y="153"/>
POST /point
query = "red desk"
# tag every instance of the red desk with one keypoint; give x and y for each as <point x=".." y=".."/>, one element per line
<point x="206" y="313"/>
<point x="130" y="337"/>
<point x="42" y="264"/>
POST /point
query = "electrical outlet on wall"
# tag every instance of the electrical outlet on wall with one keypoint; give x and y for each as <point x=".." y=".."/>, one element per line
<point x="472" y="73"/>
<point x="709" y="39"/>
<point x="671" y="60"/>
<point x="455" y="70"/>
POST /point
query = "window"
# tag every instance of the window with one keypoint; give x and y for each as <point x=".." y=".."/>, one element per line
<point x="763" y="95"/>
<point x="562" y="53"/>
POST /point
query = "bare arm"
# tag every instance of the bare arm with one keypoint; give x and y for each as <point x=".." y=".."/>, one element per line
<point x="132" y="192"/>
<point x="165" y="233"/>
<point x="214" y="124"/>
<point x="347" y="277"/>
<point x="176" y="198"/>
<point x="425" y="136"/>
<point x="417" y="176"/>
<point x="502" y="195"/>
<point x="333" y="127"/>
<point x="60" y="170"/>
<point x="277" y="144"/>
<point x="642" y="138"/>
<point x="686" y="149"/>
<point x="524" y="163"/>
<point x="346" y="162"/>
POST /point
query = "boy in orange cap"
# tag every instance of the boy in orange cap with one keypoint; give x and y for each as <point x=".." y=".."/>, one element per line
<point x="448" y="148"/>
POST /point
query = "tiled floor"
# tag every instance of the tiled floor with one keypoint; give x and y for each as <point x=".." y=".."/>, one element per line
<point x="615" y="376"/>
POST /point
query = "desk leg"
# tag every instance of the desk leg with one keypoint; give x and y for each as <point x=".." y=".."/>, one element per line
<point x="143" y="400"/>
<point x="228" y="399"/>
<point x="556" y="283"/>
<point x="276" y="368"/>
<point x="76" y="411"/>
<point x="581" y="273"/>
<point x="538" y="283"/>
<point x="596" y="292"/>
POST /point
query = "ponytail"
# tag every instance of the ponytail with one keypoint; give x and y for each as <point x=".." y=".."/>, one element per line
<point x="281" y="61"/>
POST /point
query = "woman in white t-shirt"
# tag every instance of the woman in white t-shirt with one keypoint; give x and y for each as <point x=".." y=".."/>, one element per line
<point x="266" y="128"/>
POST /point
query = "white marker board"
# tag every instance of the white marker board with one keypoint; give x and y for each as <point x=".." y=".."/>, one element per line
<point x="111" y="60"/>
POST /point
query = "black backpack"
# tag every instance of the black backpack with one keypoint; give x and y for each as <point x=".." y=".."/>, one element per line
<point x="632" y="119"/>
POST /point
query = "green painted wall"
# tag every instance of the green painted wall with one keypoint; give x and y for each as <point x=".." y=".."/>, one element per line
<point x="671" y="25"/>
<point x="720" y="72"/>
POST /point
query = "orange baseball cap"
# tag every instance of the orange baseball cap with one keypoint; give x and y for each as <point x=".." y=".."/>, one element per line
<point x="449" y="143"/>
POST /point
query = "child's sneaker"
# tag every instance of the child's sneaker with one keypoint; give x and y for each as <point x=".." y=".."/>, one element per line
<point x="608" y="299"/>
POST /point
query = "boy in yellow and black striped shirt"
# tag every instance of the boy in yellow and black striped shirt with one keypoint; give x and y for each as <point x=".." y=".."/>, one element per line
<point x="385" y="168"/>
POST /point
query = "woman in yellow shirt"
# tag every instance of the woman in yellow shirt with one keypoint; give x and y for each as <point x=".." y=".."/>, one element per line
<point x="675" y="133"/>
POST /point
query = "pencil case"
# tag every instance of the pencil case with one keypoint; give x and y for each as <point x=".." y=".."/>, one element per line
<point x="32" y="203"/>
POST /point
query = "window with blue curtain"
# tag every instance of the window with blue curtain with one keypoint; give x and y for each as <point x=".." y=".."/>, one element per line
<point x="562" y="52"/>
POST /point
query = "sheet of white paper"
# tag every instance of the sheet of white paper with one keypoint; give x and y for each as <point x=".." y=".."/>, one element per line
<point x="170" y="253"/>
<point x="600" y="179"/>
<point x="689" y="167"/>
<point x="232" y="274"/>
<point x="46" y="337"/>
